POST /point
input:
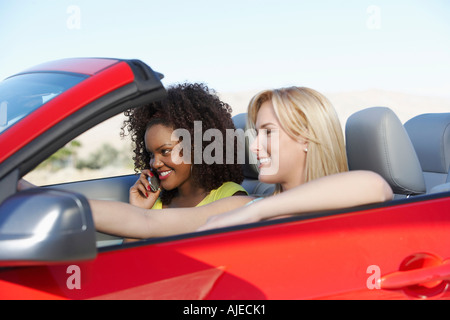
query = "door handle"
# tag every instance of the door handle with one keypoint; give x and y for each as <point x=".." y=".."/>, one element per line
<point x="422" y="276"/>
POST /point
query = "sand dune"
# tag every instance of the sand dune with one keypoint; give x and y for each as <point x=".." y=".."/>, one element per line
<point x="404" y="105"/>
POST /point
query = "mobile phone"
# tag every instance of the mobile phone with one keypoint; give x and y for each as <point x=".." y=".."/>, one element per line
<point x="154" y="183"/>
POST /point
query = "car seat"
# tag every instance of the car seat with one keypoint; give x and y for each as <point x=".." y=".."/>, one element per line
<point x="250" y="169"/>
<point x="377" y="141"/>
<point x="430" y="136"/>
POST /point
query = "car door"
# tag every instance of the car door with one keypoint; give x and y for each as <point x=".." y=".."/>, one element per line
<point x="359" y="253"/>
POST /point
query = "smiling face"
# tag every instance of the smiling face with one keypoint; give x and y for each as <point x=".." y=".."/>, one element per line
<point x="164" y="157"/>
<point x="281" y="158"/>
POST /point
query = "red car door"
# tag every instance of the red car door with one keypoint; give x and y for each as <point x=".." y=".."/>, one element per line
<point x="389" y="251"/>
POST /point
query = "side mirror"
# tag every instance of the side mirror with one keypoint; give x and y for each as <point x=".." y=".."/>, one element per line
<point x="41" y="226"/>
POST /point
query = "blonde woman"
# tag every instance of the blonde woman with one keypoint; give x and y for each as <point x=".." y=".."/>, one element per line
<point x="300" y="148"/>
<point x="312" y="166"/>
<point x="309" y="133"/>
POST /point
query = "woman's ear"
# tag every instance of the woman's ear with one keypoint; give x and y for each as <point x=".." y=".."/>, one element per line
<point x="304" y="144"/>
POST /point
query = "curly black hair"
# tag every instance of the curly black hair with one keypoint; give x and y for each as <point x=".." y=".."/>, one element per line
<point x="184" y="104"/>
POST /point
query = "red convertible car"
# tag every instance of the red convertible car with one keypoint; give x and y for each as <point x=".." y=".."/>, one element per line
<point x="49" y="248"/>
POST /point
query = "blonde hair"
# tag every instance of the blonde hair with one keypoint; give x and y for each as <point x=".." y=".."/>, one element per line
<point x="306" y="114"/>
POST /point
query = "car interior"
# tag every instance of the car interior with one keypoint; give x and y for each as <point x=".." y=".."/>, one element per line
<point x="414" y="158"/>
<point x="377" y="141"/>
<point x="430" y="136"/>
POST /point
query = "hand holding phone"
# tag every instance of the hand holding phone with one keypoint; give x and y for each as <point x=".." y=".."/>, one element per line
<point x="145" y="190"/>
<point x="154" y="182"/>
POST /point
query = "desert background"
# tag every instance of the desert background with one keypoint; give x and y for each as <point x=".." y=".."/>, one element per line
<point x="405" y="105"/>
<point x="358" y="53"/>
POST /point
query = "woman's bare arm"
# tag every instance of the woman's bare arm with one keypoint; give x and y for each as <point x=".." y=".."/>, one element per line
<point x="129" y="221"/>
<point x="332" y="192"/>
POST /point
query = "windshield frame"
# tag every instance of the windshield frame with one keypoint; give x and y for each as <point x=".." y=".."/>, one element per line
<point x="22" y="94"/>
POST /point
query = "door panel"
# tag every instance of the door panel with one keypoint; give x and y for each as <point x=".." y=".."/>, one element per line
<point x="329" y="256"/>
<point x="115" y="188"/>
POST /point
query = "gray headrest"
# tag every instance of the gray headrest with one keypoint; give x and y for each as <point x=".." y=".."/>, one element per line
<point x="430" y="135"/>
<point x="250" y="168"/>
<point x="377" y="141"/>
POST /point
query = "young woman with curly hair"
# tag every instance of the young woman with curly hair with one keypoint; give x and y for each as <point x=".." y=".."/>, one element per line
<point x="183" y="183"/>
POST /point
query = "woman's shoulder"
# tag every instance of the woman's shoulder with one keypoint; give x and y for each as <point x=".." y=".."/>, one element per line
<point x="229" y="188"/>
<point x="157" y="204"/>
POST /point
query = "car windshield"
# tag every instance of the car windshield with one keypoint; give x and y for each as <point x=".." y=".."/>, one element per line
<point x="22" y="94"/>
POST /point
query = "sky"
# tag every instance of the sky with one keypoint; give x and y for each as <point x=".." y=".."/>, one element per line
<point x="242" y="45"/>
